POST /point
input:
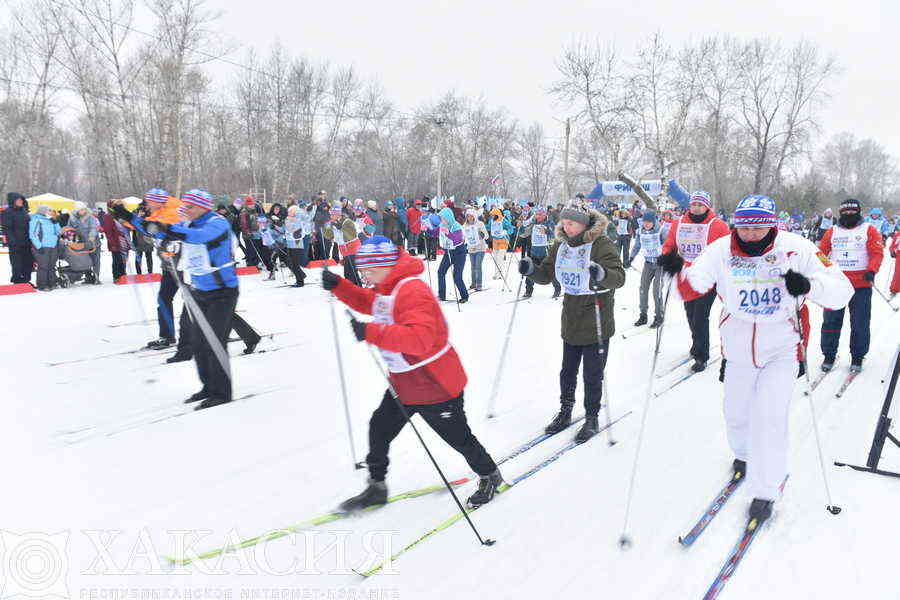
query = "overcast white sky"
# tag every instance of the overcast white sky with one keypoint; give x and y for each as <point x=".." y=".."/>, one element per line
<point x="506" y="49"/>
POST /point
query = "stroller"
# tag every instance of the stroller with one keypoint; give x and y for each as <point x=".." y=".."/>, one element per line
<point x="77" y="256"/>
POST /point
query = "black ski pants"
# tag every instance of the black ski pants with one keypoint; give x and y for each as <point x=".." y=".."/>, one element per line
<point x="447" y="419"/>
<point x="218" y="308"/>
<point x="241" y="327"/>
<point x="698" y="319"/>
<point x="594" y="365"/>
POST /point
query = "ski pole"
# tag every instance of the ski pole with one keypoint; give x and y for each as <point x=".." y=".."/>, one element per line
<point x="492" y="402"/>
<point x="340" y="361"/>
<point x="625" y="540"/>
<point x="515" y="241"/>
<point x="499" y="270"/>
<point x="883" y="297"/>
<point x="405" y="413"/>
<point x="830" y="507"/>
<point x="600" y="351"/>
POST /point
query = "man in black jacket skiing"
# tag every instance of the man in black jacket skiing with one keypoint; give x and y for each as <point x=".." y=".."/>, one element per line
<point x="15" y="227"/>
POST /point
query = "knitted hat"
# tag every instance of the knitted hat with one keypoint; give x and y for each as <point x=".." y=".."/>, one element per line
<point x="372" y="204"/>
<point x="702" y="197"/>
<point x="851" y="204"/>
<point x="377" y="251"/>
<point x="576" y="213"/>
<point x="755" y="211"/>
<point x="43" y="209"/>
<point x="336" y="210"/>
<point x="249" y="202"/>
<point x="875" y="211"/>
<point x="649" y="217"/>
<point x="198" y="197"/>
<point x="157" y="195"/>
<point x="78" y="205"/>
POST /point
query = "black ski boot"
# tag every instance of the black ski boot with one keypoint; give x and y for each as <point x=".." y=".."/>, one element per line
<point x="161" y="343"/>
<point x="178" y="357"/>
<point x="760" y="510"/>
<point x="740" y="468"/>
<point x="698" y="366"/>
<point x="657" y="321"/>
<point x="828" y="364"/>
<point x="201" y="395"/>
<point x="856" y="365"/>
<point x="562" y="420"/>
<point x="642" y="320"/>
<point x="487" y="487"/>
<point x="375" y="494"/>
<point x="526" y="295"/>
<point x="212" y="401"/>
<point x="590" y="428"/>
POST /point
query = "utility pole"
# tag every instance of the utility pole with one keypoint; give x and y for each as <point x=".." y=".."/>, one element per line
<point x="566" y="194"/>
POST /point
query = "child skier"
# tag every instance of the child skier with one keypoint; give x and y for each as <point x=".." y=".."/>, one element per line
<point x="498" y="227"/>
<point x="342" y="229"/>
<point x="753" y="270"/>
<point x="411" y="334"/>
<point x="540" y="240"/>
<point x="650" y="239"/>
<point x="475" y="234"/>
<point x="588" y="266"/>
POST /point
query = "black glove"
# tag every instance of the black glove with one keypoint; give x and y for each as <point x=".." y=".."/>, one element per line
<point x="155" y="227"/>
<point x="526" y="266"/>
<point x="797" y="284"/>
<point x="359" y="329"/>
<point x="598" y="274"/>
<point x="120" y="212"/>
<point x="869" y="276"/>
<point x="330" y="280"/>
<point x="670" y="262"/>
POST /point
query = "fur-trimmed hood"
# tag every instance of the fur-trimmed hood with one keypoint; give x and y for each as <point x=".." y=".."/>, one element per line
<point x="596" y="228"/>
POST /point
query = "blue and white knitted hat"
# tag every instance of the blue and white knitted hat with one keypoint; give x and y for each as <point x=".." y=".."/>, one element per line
<point x="198" y="197"/>
<point x="702" y="197"/>
<point x="755" y="211"/>
<point x="377" y="251"/>
<point x="158" y="195"/>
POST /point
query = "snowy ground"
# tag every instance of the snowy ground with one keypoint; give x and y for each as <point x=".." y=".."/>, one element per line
<point x="91" y="455"/>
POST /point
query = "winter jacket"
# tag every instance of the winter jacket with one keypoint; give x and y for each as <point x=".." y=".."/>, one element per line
<point x="579" y="323"/>
<point x="87" y="228"/>
<point x="880" y="223"/>
<point x="863" y="250"/>
<point x="293" y="231"/>
<point x="113" y="235"/>
<point x="419" y="333"/>
<point x="451" y="233"/>
<point x="759" y="321"/>
<point x="43" y="232"/>
<point x="16" y="222"/>
<point x="400" y="204"/>
<point x="377" y="219"/>
<point x="689" y="239"/>
<point x="349" y="237"/>
<point x="209" y="229"/>
<point x="414" y="219"/>
<point x="391" y="226"/>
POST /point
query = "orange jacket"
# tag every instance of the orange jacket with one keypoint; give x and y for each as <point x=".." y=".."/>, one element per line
<point x="168" y="213"/>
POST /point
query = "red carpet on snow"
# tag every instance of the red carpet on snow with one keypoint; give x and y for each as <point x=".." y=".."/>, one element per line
<point x="144" y="278"/>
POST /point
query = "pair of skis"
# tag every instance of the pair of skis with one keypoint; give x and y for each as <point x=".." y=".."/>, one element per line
<point x="850" y="377"/>
<point x="337" y="515"/>
<point x="445" y="524"/>
<point x="736" y="555"/>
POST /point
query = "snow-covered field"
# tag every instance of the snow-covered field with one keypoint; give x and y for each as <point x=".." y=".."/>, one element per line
<point x="94" y="453"/>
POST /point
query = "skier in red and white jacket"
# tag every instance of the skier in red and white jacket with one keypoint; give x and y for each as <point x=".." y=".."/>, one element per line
<point x="412" y="336"/>
<point x="895" y="254"/>
<point x="688" y="237"/>
<point x="858" y="250"/>
<point x="763" y="276"/>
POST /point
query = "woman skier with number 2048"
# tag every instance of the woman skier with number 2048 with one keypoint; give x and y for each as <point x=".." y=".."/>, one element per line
<point x="763" y="276"/>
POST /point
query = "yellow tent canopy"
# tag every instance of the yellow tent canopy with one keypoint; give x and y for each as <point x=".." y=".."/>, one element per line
<point x="57" y="203"/>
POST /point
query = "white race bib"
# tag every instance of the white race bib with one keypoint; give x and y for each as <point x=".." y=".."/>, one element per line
<point x="573" y="269"/>
<point x="650" y="244"/>
<point x="622" y="227"/>
<point x="848" y="248"/>
<point x="195" y="259"/>
<point x="757" y="291"/>
<point x="497" y="230"/>
<point x="338" y="235"/>
<point x="472" y="240"/>
<point x="691" y="239"/>
<point x="539" y="235"/>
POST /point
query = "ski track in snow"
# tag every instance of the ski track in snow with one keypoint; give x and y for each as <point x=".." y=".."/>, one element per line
<point x="88" y="446"/>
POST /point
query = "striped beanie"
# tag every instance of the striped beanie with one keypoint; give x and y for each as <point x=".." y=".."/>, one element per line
<point x="157" y="195"/>
<point x="702" y="197"/>
<point x="755" y="211"/>
<point x="377" y="251"/>
<point x="198" y="197"/>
